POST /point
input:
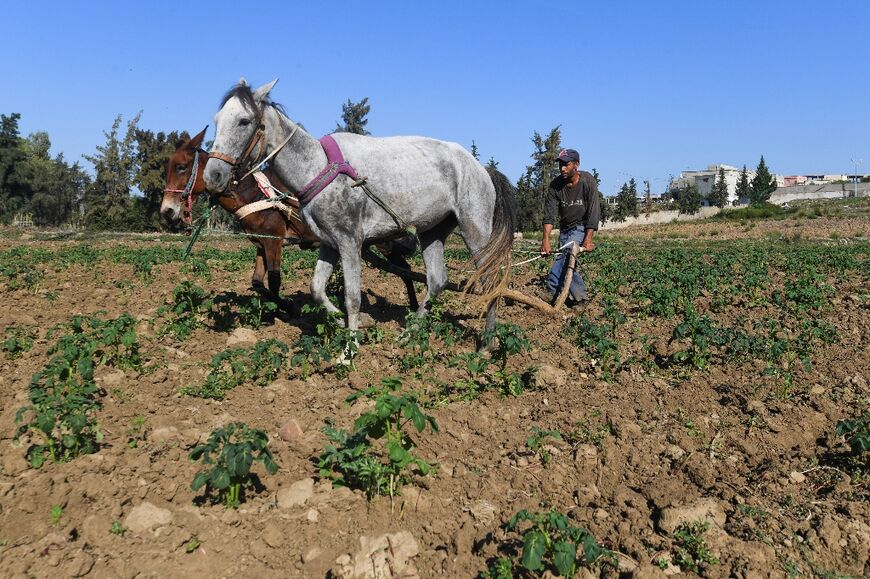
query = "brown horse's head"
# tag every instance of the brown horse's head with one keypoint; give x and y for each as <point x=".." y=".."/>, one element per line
<point x="184" y="180"/>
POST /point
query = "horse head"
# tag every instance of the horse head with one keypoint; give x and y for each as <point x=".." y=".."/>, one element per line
<point x="184" y="180"/>
<point x="239" y="134"/>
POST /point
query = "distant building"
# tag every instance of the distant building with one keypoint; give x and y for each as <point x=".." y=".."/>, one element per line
<point x="706" y="178"/>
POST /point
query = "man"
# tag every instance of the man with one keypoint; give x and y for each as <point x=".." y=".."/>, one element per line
<point x="573" y="196"/>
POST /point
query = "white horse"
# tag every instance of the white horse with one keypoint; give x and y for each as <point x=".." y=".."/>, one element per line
<point x="429" y="185"/>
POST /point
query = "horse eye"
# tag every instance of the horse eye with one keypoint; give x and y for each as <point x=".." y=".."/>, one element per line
<point x="244" y="122"/>
<point x="181" y="169"/>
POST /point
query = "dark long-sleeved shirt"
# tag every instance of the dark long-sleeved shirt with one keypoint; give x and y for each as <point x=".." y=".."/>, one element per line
<point x="576" y="205"/>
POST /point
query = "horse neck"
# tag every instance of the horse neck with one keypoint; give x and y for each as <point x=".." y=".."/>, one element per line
<point x="301" y="159"/>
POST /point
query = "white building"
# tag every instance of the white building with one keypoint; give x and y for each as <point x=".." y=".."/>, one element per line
<point x="706" y="178"/>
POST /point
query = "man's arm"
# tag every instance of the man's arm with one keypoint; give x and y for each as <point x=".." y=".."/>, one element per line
<point x="545" y="240"/>
<point x="551" y="209"/>
<point x="593" y="212"/>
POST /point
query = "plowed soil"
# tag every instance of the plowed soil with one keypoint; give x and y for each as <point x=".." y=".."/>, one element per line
<point x="642" y="449"/>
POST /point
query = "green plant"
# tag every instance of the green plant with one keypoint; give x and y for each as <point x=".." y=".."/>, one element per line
<point x="352" y="460"/>
<point x="857" y="434"/>
<point x="18" y="339"/>
<point x="535" y="442"/>
<point x="259" y="364"/>
<point x="692" y="550"/>
<point x="55" y="515"/>
<point x="63" y="396"/>
<point x="250" y="310"/>
<point x="425" y="336"/>
<point x="136" y="432"/>
<point x="192" y="545"/>
<point x="231" y="452"/>
<point x="189" y="307"/>
<point x="331" y="342"/>
<point x="549" y="543"/>
<point x="117" y="528"/>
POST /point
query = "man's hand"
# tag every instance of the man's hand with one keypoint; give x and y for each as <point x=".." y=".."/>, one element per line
<point x="588" y="245"/>
<point x="545" y="246"/>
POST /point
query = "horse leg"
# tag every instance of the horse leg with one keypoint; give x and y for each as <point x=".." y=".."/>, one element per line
<point x="475" y="239"/>
<point x="395" y="257"/>
<point x="259" y="268"/>
<point x="272" y="250"/>
<point x="432" y="243"/>
<point x="351" y="266"/>
<point x="326" y="261"/>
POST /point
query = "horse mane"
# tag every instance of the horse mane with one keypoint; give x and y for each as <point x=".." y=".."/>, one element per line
<point x="246" y="95"/>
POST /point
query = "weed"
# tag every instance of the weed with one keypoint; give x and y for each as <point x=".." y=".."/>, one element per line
<point x="250" y="310"/>
<point x="692" y="550"/>
<point x="352" y="460"/>
<point x="231" y="451"/>
<point x="535" y="442"/>
<point x="117" y="528"/>
<point x="192" y="545"/>
<point x="55" y="515"/>
<point x="136" y="432"/>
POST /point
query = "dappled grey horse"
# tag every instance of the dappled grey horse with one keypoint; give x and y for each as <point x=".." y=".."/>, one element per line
<point x="425" y="184"/>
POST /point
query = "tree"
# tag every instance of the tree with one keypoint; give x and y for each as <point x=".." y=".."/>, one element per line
<point x="719" y="194"/>
<point x="606" y="209"/>
<point x="763" y="184"/>
<point x="492" y="164"/>
<point x="626" y="201"/>
<point x="688" y="199"/>
<point x="107" y="200"/>
<point x="13" y="183"/>
<point x="647" y="198"/>
<point x="474" y="152"/>
<point x="743" y="188"/>
<point x="354" y="117"/>
<point x="152" y="154"/>
<point x="534" y="184"/>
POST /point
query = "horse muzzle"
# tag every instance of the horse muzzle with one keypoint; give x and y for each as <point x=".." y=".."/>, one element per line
<point x="217" y="175"/>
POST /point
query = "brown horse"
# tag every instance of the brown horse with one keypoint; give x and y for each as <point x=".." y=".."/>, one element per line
<point x="184" y="183"/>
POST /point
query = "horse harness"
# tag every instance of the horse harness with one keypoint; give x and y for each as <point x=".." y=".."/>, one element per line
<point x="335" y="165"/>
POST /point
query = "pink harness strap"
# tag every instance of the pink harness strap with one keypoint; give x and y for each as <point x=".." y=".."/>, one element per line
<point x="335" y="166"/>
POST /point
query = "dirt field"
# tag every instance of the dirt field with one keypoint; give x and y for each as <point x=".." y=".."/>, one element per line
<point x="704" y="382"/>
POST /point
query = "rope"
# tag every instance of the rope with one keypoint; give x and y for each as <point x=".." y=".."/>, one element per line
<point x="200" y="222"/>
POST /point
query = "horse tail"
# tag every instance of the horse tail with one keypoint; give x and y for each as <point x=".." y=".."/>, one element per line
<point x="494" y="259"/>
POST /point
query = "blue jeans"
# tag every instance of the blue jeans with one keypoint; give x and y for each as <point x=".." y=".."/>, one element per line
<point x="557" y="272"/>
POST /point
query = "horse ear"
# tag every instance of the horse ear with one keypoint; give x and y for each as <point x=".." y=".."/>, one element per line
<point x="243" y="82"/>
<point x="261" y="93"/>
<point x="196" y="141"/>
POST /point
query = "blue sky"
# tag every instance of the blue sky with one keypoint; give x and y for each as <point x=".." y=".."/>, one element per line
<point x="643" y="89"/>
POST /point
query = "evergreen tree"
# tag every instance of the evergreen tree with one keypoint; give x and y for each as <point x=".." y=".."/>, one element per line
<point x="13" y="182"/>
<point x="743" y="187"/>
<point x="689" y="200"/>
<point x="763" y="184"/>
<point x="606" y="209"/>
<point x="492" y="164"/>
<point x="152" y="154"/>
<point x="719" y="193"/>
<point x="626" y="201"/>
<point x="354" y="117"/>
<point x="55" y="188"/>
<point x="647" y="198"/>
<point x="474" y="152"/>
<point x="107" y="201"/>
<point x="533" y="186"/>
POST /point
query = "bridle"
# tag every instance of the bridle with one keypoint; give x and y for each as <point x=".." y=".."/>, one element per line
<point x="243" y="162"/>
<point x="187" y="192"/>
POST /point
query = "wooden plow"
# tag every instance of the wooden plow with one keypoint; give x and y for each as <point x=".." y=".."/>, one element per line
<point x="511" y="294"/>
